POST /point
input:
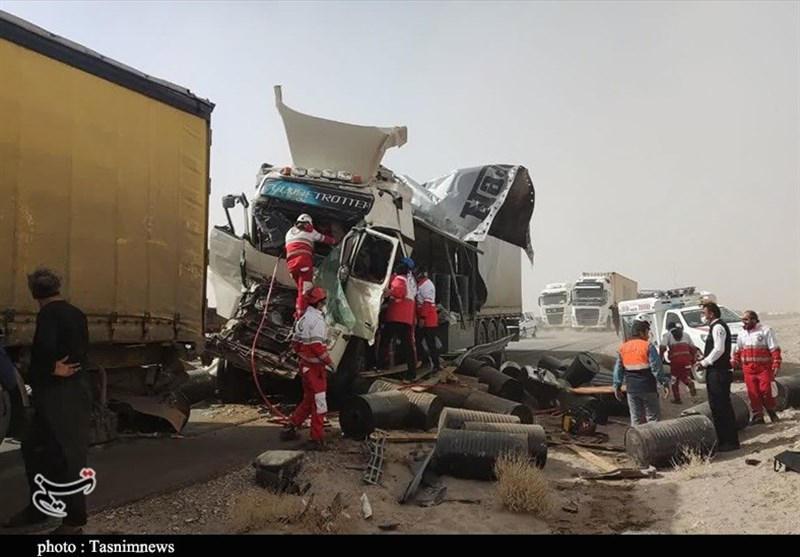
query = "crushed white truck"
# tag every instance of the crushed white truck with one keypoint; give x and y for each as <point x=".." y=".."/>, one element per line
<point x="554" y="304"/>
<point x="594" y="293"/>
<point x="469" y="227"/>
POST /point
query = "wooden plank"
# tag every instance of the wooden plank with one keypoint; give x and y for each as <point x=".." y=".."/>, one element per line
<point x="603" y="463"/>
<point x="596" y="390"/>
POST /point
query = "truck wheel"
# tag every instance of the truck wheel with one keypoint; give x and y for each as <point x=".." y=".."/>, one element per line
<point x="491" y="330"/>
<point x="502" y="330"/>
<point x="232" y="383"/>
<point x="340" y="384"/>
<point x="480" y="333"/>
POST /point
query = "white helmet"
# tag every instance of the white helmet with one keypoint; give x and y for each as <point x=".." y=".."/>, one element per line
<point x="304" y="218"/>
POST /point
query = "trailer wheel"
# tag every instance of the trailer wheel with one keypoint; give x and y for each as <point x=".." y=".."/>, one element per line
<point x="480" y="333"/>
<point x="491" y="330"/>
<point x="502" y="330"/>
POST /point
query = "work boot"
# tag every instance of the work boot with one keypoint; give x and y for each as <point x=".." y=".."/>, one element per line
<point x="289" y="433"/>
<point x="692" y="390"/>
<point x="676" y="401"/>
<point x="67" y="530"/>
<point x="773" y="416"/>
<point x="25" y="517"/>
<point x="757" y="420"/>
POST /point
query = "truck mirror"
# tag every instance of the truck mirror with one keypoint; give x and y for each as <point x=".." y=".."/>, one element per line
<point x="228" y="202"/>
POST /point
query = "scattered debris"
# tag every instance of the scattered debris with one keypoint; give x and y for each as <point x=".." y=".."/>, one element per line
<point x="752" y="461"/>
<point x="624" y="474"/>
<point x="376" y="443"/>
<point x="604" y="464"/>
<point x="787" y="461"/>
<point x="389" y="526"/>
<point x="366" y="508"/>
<point x="413" y="485"/>
<point x="570" y="508"/>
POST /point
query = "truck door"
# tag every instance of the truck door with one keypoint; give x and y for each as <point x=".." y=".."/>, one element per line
<point x="367" y="258"/>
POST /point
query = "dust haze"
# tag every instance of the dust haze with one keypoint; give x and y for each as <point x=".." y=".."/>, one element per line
<point x="663" y="138"/>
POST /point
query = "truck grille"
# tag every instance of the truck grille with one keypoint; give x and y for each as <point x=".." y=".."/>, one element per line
<point x="587" y="317"/>
<point x="555" y="316"/>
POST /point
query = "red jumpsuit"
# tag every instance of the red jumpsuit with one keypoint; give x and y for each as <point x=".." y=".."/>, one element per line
<point x="681" y="354"/>
<point x="758" y="354"/>
<point x="300" y="259"/>
<point x="309" y="343"/>
<point x="400" y="320"/>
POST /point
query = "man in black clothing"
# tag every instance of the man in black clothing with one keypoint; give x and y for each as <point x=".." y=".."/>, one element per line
<point x="719" y="376"/>
<point x="57" y="440"/>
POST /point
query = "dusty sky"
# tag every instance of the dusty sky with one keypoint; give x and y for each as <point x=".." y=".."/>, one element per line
<point x="663" y="137"/>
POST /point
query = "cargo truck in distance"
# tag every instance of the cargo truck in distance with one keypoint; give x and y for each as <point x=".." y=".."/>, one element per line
<point x="593" y="294"/>
<point x="554" y="304"/>
<point x="469" y="228"/>
<point x="104" y="177"/>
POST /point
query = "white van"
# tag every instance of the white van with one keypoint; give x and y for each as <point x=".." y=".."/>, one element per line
<point x="683" y="310"/>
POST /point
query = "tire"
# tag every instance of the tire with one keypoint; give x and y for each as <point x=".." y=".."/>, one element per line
<point x="491" y="330"/>
<point x="502" y="330"/>
<point x="480" y="332"/>
<point x="340" y="384"/>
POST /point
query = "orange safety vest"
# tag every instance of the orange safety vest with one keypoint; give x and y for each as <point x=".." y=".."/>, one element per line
<point x="634" y="355"/>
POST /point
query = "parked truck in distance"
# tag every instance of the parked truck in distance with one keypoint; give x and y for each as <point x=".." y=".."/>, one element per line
<point x="471" y="245"/>
<point x="104" y="177"/>
<point x="554" y="304"/>
<point x="593" y="294"/>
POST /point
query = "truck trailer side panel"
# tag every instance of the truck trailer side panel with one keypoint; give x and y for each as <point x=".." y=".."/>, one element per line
<point x="107" y="186"/>
<point x="500" y="265"/>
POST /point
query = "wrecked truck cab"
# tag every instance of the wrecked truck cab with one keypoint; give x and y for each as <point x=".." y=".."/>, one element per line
<point x="468" y="227"/>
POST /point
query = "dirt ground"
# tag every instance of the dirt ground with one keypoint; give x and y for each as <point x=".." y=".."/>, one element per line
<point x="733" y="493"/>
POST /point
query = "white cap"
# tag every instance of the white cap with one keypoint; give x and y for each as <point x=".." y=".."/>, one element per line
<point x="304" y="218"/>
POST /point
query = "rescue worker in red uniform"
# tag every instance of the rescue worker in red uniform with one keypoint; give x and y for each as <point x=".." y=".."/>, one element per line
<point x="309" y="343"/>
<point x="758" y="354"/>
<point x="681" y="353"/>
<point x="300" y="240"/>
<point x="400" y="318"/>
<point x="427" y="318"/>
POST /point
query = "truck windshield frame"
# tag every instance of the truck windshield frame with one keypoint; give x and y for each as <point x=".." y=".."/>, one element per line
<point x="554" y="299"/>
<point x="586" y="293"/>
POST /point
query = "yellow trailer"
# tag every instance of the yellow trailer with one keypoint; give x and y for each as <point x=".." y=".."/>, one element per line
<point x="104" y="177"/>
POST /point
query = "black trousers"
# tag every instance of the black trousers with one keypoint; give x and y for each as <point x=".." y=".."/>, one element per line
<point x="405" y="333"/>
<point x="428" y="335"/>
<point x="56" y="443"/>
<point x="718" y="386"/>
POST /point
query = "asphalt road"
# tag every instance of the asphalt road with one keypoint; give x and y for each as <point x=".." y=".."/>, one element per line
<point x="132" y="469"/>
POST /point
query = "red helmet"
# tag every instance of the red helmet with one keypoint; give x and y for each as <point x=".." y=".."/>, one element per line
<point x="315" y="295"/>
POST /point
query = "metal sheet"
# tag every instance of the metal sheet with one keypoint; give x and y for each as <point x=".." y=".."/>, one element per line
<point x="326" y="144"/>
<point x="473" y="203"/>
